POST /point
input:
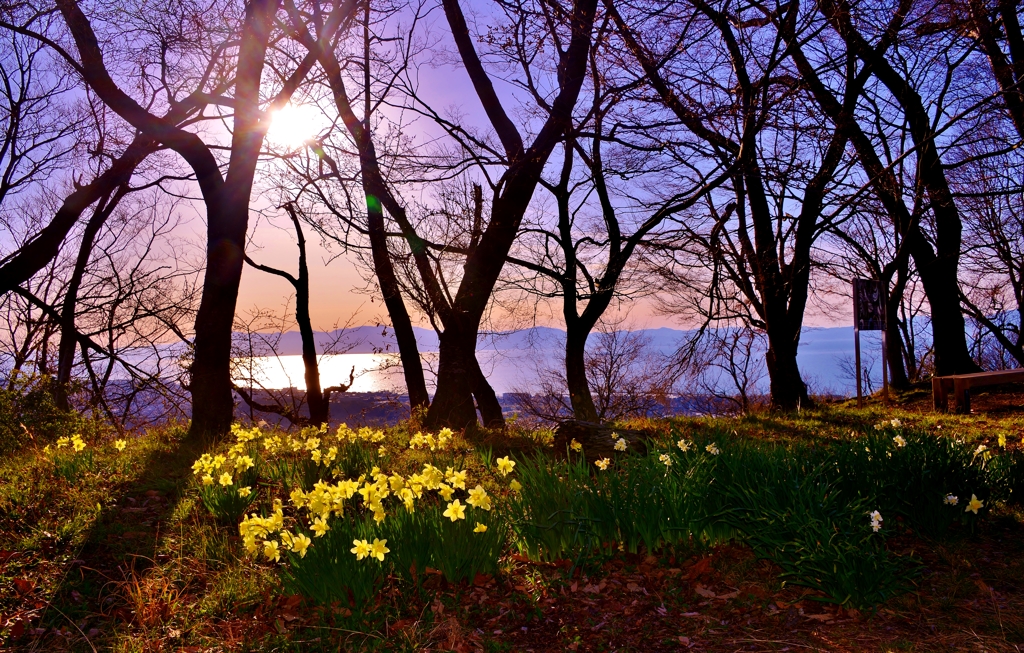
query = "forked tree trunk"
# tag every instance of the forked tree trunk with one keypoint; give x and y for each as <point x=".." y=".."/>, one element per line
<point x="68" y="333"/>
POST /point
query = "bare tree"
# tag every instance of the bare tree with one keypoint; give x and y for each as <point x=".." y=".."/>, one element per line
<point x="317" y="399"/>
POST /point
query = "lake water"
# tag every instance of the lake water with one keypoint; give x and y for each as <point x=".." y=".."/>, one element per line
<point x="508" y="371"/>
<point x="513" y="366"/>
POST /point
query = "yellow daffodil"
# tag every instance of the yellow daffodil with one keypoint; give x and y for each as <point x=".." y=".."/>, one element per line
<point x="63" y="442"/>
<point x="378" y="549"/>
<point x="300" y="543"/>
<point x="361" y="549"/>
<point x="515" y="486"/>
<point x="445" y="491"/>
<point x="225" y="479"/>
<point x="1002" y="440"/>
<point x="478" y="498"/>
<point x="455" y="511"/>
<point x="270" y="550"/>
<point x="620" y="444"/>
<point x="207" y="479"/>
<point x="244" y="491"/>
<point x="603" y="463"/>
<point x="975" y="504"/>
<point x="575" y="446"/>
<point x="243" y="463"/>
<point x="120" y="444"/>
<point x="505" y="465"/>
<point x="320" y="527"/>
<point x="456" y="479"/>
<point x="480" y="528"/>
<point x="77" y="443"/>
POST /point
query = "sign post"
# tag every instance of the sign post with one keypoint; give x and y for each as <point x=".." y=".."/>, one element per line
<point x="869" y="315"/>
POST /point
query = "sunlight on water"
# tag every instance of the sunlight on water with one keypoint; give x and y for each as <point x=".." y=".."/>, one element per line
<point x="507" y="371"/>
<point x="373" y="372"/>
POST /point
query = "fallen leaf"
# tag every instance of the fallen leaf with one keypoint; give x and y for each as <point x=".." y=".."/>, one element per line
<point x="699" y="568"/>
<point x="23" y="586"/>
<point x="574" y="586"/>
<point x="819" y="617"/>
<point x="705" y="592"/>
<point x="730" y="595"/>
<point x="633" y="587"/>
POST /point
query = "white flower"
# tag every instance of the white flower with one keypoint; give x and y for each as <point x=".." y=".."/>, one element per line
<point x="664" y="458"/>
<point x="900" y="442"/>
<point x="896" y="423"/>
<point x="876" y="520"/>
<point x="713" y="449"/>
<point x="951" y="500"/>
<point x="620" y="444"/>
<point x="683" y="445"/>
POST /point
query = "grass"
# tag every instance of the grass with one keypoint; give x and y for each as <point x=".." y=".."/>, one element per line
<point x="152" y="569"/>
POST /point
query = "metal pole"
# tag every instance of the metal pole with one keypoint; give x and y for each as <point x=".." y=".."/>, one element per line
<point x="885" y="354"/>
<point x="856" y="347"/>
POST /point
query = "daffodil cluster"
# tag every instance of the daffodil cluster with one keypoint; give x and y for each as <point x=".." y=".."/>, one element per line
<point x="437" y="442"/>
<point x="268" y="536"/>
<point x="222" y="468"/>
<point x="75" y="442"/>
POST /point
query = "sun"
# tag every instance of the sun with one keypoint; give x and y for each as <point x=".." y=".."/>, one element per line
<point x="293" y="125"/>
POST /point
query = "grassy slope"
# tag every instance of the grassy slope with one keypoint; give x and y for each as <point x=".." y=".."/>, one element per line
<point x="124" y="559"/>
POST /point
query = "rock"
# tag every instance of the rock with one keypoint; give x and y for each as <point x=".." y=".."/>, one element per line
<point x="597" y="439"/>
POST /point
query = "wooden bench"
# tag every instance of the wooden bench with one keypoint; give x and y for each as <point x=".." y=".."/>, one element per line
<point x="960" y="385"/>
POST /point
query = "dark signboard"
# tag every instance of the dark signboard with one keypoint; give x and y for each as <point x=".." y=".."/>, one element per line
<point x="868" y="305"/>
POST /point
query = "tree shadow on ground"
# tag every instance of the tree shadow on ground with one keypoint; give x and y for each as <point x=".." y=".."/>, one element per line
<point x="117" y="550"/>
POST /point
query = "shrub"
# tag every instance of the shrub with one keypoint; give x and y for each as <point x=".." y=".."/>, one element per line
<point x="28" y="411"/>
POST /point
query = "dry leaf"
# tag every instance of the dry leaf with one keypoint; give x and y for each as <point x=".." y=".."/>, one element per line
<point x="705" y="592"/>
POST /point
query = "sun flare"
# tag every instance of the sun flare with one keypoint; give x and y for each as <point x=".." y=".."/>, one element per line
<point x="293" y="125"/>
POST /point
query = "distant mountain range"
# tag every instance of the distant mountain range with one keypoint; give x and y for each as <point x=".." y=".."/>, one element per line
<point x="370" y="339"/>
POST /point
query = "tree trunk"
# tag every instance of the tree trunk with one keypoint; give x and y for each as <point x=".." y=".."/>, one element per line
<point x="580" y="398"/>
<point x="319" y="409"/>
<point x="408" y="350"/>
<point x="68" y="333"/>
<point x="893" y="338"/>
<point x="788" y="390"/>
<point x="939" y="271"/>
<point x="486" y="399"/>
<point x="457" y="374"/>
<point x="212" y="400"/>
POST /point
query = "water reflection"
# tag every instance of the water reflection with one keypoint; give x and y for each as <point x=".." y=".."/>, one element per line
<point x="373" y="372"/>
<point x="507" y="370"/>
